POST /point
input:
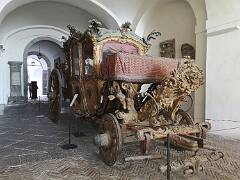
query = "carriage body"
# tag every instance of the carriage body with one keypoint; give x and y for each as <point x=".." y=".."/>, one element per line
<point x="107" y="69"/>
<point x="84" y="54"/>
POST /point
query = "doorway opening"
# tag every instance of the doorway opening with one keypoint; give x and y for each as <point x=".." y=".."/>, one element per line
<point x="39" y="59"/>
<point x="38" y="74"/>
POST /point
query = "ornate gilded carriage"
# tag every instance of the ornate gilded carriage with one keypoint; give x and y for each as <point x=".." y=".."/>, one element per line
<point x="107" y="69"/>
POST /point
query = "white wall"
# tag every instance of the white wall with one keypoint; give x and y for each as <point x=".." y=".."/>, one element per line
<point x="223" y="76"/>
<point x="223" y="65"/>
<point x="223" y="60"/>
<point x="223" y="81"/>
<point x="222" y="12"/>
<point x="4" y="81"/>
<point x="174" y="20"/>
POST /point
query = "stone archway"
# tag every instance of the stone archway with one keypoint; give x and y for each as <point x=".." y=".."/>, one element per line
<point x="28" y="53"/>
<point x="46" y="73"/>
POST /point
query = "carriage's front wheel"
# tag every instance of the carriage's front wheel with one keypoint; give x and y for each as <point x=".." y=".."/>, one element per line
<point x="109" y="139"/>
<point x="55" y="95"/>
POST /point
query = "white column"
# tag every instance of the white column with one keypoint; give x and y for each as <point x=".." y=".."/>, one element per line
<point x="201" y="49"/>
<point x="2" y="80"/>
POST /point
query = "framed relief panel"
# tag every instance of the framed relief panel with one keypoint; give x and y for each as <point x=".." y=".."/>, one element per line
<point x="167" y="48"/>
<point x="16" y="78"/>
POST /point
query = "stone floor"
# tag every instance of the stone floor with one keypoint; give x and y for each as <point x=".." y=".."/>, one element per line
<point x="30" y="149"/>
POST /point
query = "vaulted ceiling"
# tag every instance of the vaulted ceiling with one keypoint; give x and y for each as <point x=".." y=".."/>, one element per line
<point x="111" y="12"/>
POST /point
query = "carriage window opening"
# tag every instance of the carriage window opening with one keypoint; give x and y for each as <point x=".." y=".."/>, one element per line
<point x="88" y="58"/>
<point x="75" y="58"/>
<point x="88" y="66"/>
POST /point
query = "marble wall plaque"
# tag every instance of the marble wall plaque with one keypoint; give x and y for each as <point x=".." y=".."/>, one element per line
<point x="16" y="78"/>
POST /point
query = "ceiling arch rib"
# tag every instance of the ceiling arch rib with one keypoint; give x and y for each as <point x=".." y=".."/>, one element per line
<point x="92" y="6"/>
<point x="15" y="31"/>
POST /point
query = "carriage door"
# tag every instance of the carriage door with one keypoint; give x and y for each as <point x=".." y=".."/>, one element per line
<point x="89" y="76"/>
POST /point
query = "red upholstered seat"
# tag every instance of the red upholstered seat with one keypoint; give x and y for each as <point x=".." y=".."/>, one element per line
<point x="136" y="68"/>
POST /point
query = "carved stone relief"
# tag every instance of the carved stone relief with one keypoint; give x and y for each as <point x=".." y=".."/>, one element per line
<point x="167" y="48"/>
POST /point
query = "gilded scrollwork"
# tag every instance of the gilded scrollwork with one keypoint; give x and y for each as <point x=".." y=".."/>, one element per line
<point x="128" y="112"/>
<point x="172" y="91"/>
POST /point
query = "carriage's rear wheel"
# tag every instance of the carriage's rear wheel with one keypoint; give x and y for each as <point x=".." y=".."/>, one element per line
<point x="55" y="95"/>
<point x="110" y="139"/>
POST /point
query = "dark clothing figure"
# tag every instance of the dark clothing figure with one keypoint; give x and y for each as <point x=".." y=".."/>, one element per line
<point x="34" y="89"/>
<point x="30" y="89"/>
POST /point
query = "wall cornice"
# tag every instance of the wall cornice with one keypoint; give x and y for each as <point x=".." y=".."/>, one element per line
<point x="223" y="28"/>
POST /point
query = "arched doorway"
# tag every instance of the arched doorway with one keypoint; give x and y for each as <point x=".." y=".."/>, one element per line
<point x="38" y="71"/>
<point x="39" y="59"/>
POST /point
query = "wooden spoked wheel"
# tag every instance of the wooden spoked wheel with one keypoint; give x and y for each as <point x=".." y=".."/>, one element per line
<point x="110" y="127"/>
<point x="183" y="118"/>
<point x="55" y="95"/>
<point x="146" y="144"/>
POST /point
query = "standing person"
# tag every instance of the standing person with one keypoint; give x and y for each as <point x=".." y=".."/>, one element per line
<point x="30" y="89"/>
<point x="34" y="89"/>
